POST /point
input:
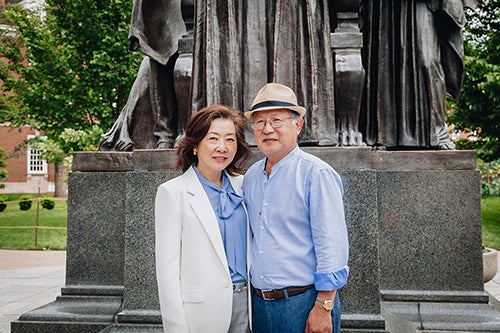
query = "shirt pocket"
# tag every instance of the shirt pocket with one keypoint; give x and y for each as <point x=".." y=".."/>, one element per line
<point x="192" y="294"/>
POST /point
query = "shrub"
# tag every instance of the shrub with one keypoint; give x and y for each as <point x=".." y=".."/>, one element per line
<point x="48" y="203"/>
<point x="25" y="202"/>
<point x="3" y="205"/>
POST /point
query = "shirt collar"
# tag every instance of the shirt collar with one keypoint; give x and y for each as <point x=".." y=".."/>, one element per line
<point x="290" y="156"/>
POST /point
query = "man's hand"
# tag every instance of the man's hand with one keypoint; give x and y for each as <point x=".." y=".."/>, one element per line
<point x="320" y="320"/>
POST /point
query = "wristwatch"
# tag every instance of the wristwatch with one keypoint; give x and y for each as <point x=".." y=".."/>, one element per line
<point x="326" y="304"/>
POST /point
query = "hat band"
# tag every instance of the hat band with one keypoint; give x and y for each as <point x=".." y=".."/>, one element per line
<point x="267" y="104"/>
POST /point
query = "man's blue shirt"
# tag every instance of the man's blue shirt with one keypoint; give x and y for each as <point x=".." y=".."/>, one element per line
<point x="298" y="224"/>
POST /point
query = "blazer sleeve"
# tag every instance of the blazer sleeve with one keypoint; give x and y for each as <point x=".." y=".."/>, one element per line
<point x="168" y="230"/>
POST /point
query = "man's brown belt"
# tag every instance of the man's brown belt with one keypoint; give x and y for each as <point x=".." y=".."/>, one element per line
<point x="275" y="294"/>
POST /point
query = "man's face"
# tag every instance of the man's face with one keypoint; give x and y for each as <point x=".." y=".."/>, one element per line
<point x="276" y="142"/>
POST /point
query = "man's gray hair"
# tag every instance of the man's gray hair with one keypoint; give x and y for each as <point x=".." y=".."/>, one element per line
<point x="294" y="115"/>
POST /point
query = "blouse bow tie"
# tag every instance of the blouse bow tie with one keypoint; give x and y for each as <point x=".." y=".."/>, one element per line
<point x="229" y="201"/>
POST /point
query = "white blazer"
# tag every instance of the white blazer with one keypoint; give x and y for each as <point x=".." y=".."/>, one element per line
<point x="194" y="284"/>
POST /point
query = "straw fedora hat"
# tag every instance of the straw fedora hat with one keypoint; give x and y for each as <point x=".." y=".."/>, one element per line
<point x="275" y="96"/>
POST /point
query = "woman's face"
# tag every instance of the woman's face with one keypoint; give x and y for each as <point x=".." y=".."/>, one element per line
<point x="217" y="149"/>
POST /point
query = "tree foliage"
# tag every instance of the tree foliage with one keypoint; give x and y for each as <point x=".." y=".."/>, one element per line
<point x="478" y="108"/>
<point x="490" y="176"/>
<point x="68" y="65"/>
<point x="69" y="141"/>
<point x="4" y="174"/>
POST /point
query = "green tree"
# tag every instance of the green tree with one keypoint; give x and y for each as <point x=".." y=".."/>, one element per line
<point x="4" y="174"/>
<point x="478" y="108"/>
<point x="67" y="68"/>
<point x="68" y="65"/>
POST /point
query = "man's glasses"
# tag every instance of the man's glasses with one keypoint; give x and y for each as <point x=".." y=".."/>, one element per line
<point x="275" y="123"/>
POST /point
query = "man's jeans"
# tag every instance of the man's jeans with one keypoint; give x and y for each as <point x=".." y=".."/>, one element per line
<point x="288" y="314"/>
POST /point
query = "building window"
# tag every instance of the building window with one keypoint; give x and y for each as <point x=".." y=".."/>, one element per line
<point x="36" y="165"/>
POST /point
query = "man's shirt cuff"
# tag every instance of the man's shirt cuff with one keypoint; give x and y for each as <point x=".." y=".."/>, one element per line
<point x="331" y="280"/>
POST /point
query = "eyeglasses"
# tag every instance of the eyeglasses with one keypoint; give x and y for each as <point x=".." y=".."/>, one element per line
<point x="275" y="123"/>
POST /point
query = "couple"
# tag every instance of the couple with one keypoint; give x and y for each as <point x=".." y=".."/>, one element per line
<point x="296" y="238"/>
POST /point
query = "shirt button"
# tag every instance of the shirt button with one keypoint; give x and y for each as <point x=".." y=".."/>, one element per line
<point x="265" y="204"/>
<point x="262" y="228"/>
<point x="260" y="252"/>
<point x="262" y="276"/>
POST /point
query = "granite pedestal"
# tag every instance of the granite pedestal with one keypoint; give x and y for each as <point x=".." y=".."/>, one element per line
<point x="414" y="223"/>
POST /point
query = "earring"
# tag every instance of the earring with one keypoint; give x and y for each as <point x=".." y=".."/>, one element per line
<point x="195" y="152"/>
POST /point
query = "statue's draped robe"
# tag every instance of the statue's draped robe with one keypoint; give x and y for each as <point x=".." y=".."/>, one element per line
<point x="242" y="45"/>
<point x="239" y="47"/>
<point x="413" y="56"/>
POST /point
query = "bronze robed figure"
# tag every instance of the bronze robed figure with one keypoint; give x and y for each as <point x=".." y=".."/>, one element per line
<point x="238" y="47"/>
<point x="412" y="56"/>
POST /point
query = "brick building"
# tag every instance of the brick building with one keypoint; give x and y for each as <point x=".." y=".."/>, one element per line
<point x="26" y="170"/>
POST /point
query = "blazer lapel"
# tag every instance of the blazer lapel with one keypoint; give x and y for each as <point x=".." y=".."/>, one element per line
<point x="203" y="208"/>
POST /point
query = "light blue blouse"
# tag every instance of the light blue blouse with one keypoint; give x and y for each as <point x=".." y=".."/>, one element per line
<point x="232" y="223"/>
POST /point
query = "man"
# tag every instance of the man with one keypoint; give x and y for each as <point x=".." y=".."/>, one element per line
<point x="299" y="247"/>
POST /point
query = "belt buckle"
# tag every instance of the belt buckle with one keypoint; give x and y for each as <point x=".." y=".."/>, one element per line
<point x="264" y="294"/>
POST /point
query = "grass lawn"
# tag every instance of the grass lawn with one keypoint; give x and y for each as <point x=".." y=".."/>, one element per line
<point x="490" y="209"/>
<point x="18" y="232"/>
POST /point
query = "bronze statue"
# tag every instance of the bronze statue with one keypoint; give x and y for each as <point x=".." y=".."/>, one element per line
<point x="413" y="56"/>
<point x="240" y="46"/>
<point x="149" y="119"/>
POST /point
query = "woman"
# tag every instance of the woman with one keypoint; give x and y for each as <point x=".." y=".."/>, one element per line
<point x="201" y="228"/>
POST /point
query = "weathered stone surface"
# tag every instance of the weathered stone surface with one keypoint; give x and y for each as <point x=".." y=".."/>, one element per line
<point x="424" y="160"/>
<point x="430" y="230"/>
<point x="141" y="304"/>
<point x="441" y="317"/>
<point x="96" y="228"/>
<point x="102" y="161"/>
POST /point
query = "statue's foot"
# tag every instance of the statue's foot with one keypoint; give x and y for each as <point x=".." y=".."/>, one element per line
<point x="351" y="138"/>
<point x="124" y="145"/>
<point x="343" y="139"/>
<point x="379" y="147"/>
<point x="164" y="145"/>
<point x="356" y="139"/>
<point x="446" y="146"/>
<point x="108" y="144"/>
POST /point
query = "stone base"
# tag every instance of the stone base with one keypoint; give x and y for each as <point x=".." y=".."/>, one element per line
<point x="414" y="223"/>
<point x="82" y="314"/>
<point x="354" y="323"/>
<point x="428" y="317"/>
<point x="133" y="329"/>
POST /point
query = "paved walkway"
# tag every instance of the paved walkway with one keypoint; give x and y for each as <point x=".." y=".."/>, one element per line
<point x="30" y="279"/>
